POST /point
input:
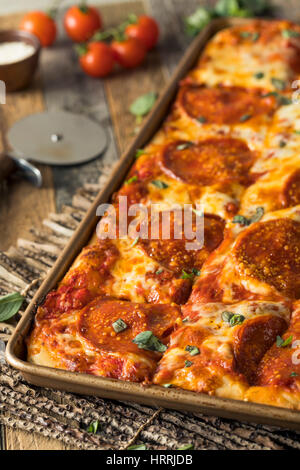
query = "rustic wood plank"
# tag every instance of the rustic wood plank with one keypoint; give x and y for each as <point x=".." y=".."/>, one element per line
<point x="18" y="197"/>
<point x="126" y="85"/>
<point x="22" y="440"/>
<point x="68" y="87"/>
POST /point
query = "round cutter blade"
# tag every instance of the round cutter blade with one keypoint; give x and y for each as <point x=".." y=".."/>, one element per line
<point x="57" y="138"/>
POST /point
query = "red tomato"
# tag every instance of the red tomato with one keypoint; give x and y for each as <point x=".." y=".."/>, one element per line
<point x="41" y="25"/>
<point x="146" y="30"/>
<point x="81" y="22"/>
<point x="98" y="61"/>
<point x="129" y="53"/>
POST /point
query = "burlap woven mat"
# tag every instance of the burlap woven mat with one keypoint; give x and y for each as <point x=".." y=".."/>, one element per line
<point x="66" y="416"/>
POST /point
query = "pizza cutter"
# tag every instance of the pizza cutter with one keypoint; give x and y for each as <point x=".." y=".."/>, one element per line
<point x="53" y="138"/>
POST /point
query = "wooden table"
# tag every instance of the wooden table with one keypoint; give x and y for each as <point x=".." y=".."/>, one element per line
<point x="61" y="84"/>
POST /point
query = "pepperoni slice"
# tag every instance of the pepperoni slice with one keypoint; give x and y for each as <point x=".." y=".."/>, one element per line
<point x="270" y="252"/>
<point x="96" y="320"/>
<point x="216" y="160"/>
<point x="84" y="280"/>
<point x="291" y="192"/>
<point x="225" y="105"/>
<point x="135" y="192"/>
<point x="173" y="253"/>
<point x="252" y="341"/>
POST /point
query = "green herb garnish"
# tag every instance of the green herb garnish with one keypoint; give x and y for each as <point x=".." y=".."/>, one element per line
<point x="167" y="385"/>
<point x="297" y="132"/>
<point x="159" y="271"/>
<point x="184" y="145"/>
<point x="289" y="33"/>
<point x="93" y="427"/>
<point x="294" y="374"/>
<point x="137" y="447"/>
<point x="188" y="363"/>
<point x="146" y="340"/>
<point x="134" y="242"/>
<point x="196" y="272"/>
<point x="186" y="447"/>
<point x="242" y="220"/>
<point x="10" y="304"/>
<point x="226" y="315"/>
<point x="193" y="350"/>
<point x="283" y="343"/>
<point x="232" y="318"/>
<point x="119" y="325"/>
<point x="224" y="8"/>
<point x="186" y="275"/>
<point x="259" y="75"/>
<point x="236" y="320"/>
<point x="278" y="83"/>
<point x="245" y="117"/>
<point x="201" y="119"/>
<point x="282" y="144"/>
<point x="160" y="184"/>
<point x="131" y="180"/>
<point x="139" y="153"/>
<point x="143" y="105"/>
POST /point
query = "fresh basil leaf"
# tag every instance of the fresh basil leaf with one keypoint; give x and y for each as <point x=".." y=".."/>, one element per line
<point x="10" y="304"/>
<point x="119" y="325"/>
<point x="236" y="320"/>
<point x="139" y="153"/>
<point x="297" y="132"/>
<point x="147" y="340"/>
<point x="199" y="213"/>
<point x="245" y="117"/>
<point x="137" y="447"/>
<point x="241" y="219"/>
<point x="131" y="180"/>
<point x="159" y="271"/>
<point x="93" y="427"/>
<point x="278" y="83"/>
<point x="160" y="184"/>
<point x="294" y="374"/>
<point x="201" y="119"/>
<point x="230" y="8"/>
<point x="185" y="320"/>
<point x="193" y="350"/>
<point x="289" y="33"/>
<point x="186" y="447"/>
<point x="143" y="105"/>
<point x="257" y="7"/>
<point x="226" y="316"/>
<point x="196" y="272"/>
<point x="282" y="144"/>
<point x="188" y="363"/>
<point x="283" y="343"/>
<point x="259" y="75"/>
<point x="134" y="242"/>
<point x="184" y="145"/>
<point x="186" y="275"/>
<point x="259" y="212"/>
<point x="197" y="21"/>
<point x="249" y="35"/>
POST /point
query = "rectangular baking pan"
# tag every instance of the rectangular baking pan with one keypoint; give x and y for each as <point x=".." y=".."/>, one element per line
<point x="116" y="389"/>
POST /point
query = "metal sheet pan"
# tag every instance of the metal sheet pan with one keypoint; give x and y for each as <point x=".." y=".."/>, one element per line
<point x="115" y="389"/>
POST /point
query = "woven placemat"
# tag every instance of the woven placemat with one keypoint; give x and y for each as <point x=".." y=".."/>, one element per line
<point x="66" y="416"/>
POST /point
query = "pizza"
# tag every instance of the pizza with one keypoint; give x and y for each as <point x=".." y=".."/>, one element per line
<point x="219" y="316"/>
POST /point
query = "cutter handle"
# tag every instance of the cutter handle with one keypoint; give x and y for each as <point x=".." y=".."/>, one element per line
<point x="7" y="166"/>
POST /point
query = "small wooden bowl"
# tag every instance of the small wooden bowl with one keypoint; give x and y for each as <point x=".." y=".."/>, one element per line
<point x="18" y="75"/>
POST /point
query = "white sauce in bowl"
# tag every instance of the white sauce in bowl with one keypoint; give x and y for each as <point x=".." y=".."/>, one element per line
<point x="15" y="51"/>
